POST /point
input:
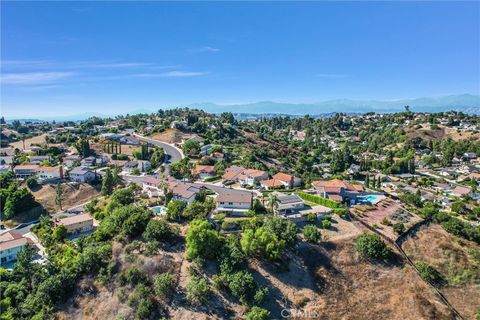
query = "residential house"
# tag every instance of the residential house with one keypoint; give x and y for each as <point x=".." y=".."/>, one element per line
<point x="460" y="191"/>
<point x="25" y="171"/>
<point x="272" y="184"/>
<point x="281" y="180"/>
<point x="153" y="186"/>
<point x="82" y="174"/>
<point x="76" y="224"/>
<point x="233" y="202"/>
<point x="7" y="151"/>
<point x="441" y="187"/>
<point x="5" y="168"/>
<point x="71" y="161"/>
<point x="39" y="159"/>
<point x="245" y="176"/>
<point x="206" y="149"/>
<point x="183" y="191"/>
<point x="11" y="242"/>
<point x="111" y="135"/>
<point x="469" y="156"/>
<point x="337" y="189"/>
<point x="6" y="160"/>
<point x="141" y="165"/>
<point x="288" y="203"/>
<point x="204" y="171"/>
<point x="217" y="155"/>
<point x="50" y="173"/>
<point x="88" y="161"/>
<point x="178" y="124"/>
<point x="130" y="140"/>
<point x="180" y="190"/>
<point x="353" y="169"/>
<point x="117" y="163"/>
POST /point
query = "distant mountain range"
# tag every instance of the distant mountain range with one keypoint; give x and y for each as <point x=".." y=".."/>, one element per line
<point x="467" y="103"/>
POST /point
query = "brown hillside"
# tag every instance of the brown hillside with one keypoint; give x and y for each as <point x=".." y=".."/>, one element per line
<point x="453" y="257"/>
<point x="73" y="195"/>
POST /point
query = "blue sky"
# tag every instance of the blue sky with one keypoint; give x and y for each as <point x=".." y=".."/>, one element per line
<point x="63" y="58"/>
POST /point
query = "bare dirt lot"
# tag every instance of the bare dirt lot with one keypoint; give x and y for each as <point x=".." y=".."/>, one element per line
<point x="73" y="195"/>
<point x="341" y="229"/>
<point x="125" y="149"/>
<point x="440" y="132"/>
<point x="170" y="136"/>
<point x="28" y="142"/>
<point x="453" y="257"/>
<point x="462" y="134"/>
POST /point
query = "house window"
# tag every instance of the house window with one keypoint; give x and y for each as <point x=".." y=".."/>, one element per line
<point x="230" y="203"/>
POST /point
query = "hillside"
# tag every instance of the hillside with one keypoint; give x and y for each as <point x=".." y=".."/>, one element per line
<point x="315" y="282"/>
<point x="73" y="195"/>
<point x="458" y="261"/>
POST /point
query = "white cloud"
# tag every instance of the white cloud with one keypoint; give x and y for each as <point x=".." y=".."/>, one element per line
<point x="34" y="77"/>
<point x="206" y="49"/>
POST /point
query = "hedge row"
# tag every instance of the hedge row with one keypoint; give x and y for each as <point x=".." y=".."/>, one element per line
<point x="319" y="200"/>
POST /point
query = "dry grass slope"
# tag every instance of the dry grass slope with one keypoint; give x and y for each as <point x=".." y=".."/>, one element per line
<point x="452" y="257"/>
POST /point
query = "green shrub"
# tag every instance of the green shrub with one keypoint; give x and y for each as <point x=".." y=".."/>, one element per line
<point x="311" y="218"/>
<point x="311" y="233"/>
<point x="32" y="183"/>
<point x="242" y="286"/>
<point x="258" y="313"/>
<point x="399" y="227"/>
<point x="430" y="274"/>
<point x="163" y="284"/>
<point x="197" y="290"/>
<point x="371" y="246"/>
<point x="319" y="200"/>
<point x="133" y="276"/>
<point x="326" y="224"/>
<point x="159" y="230"/>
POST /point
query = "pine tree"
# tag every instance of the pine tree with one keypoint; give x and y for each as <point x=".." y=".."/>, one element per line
<point x="107" y="183"/>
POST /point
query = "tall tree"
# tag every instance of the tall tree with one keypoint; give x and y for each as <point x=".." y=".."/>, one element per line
<point x="107" y="183"/>
<point x="59" y="195"/>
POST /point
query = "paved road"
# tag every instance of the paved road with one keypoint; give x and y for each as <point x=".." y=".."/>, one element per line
<point x="174" y="153"/>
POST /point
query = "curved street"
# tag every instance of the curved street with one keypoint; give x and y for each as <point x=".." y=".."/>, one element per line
<point x="174" y="153"/>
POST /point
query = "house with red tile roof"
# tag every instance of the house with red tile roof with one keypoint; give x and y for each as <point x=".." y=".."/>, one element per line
<point x="244" y="176"/>
<point x="337" y="189"/>
<point x="281" y="180"/>
<point x="203" y="171"/>
<point x="180" y="190"/>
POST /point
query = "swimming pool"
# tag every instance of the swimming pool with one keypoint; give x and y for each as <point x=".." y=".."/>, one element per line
<point x="371" y="198"/>
<point x="159" y="210"/>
